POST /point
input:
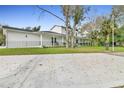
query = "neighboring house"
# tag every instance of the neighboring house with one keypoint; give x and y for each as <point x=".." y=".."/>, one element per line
<point x="20" y="38"/>
<point x="62" y="30"/>
<point x="86" y="41"/>
<point x="58" y="29"/>
<point x="85" y="34"/>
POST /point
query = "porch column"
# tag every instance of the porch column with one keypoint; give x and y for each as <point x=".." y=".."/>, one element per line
<point x="62" y="41"/>
<point x="41" y="41"/>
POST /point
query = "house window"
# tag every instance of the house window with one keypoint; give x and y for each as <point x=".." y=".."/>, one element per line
<point x="52" y="40"/>
<point x="76" y="40"/>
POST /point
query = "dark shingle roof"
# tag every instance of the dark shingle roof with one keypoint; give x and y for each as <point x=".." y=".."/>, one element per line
<point x="21" y="29"/>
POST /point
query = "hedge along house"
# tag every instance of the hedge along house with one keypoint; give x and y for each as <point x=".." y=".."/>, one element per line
<point x="2" y="38"/>
<point x="21" y="38"/>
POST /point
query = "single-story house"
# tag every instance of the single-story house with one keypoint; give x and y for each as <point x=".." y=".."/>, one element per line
<point x="20" y="38"/>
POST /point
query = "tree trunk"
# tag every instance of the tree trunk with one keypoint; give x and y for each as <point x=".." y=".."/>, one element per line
<point x="107" y="42"/>
<point x="67" y="32"/>
<point x="96" y="42"/>
<point x="73" y="40"/>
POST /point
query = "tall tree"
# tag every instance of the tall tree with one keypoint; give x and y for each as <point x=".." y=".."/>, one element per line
<point x="94" y="37"/>
<point x="77" y="15"/>
<point x="119" y="38"/>
<point x="116" y="15"/>
<point x="78" y="12"/>
<point x="67" y="13"/>
<point x="93" y="27"/>
<point x="2" y="37"/>
<point x="66" y="9"/>
<point x="106" y="31"/>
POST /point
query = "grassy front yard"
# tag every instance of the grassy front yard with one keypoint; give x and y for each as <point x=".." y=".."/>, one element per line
<point x="30" y="51"/>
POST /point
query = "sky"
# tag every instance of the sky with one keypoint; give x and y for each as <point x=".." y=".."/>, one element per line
<point x="28" y="15"/>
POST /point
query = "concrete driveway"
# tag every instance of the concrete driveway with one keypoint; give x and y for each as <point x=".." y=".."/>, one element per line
<point x="62" y="70"/>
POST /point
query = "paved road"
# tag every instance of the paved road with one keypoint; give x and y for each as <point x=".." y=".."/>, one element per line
<point x="62" y="70"/>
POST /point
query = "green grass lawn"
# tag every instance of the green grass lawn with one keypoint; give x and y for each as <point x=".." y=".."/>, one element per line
<point x="30" y="51"/>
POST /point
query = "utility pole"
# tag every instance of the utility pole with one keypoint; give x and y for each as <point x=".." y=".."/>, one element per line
<point x="113" y="49"/>
<point x="113" y="29"/>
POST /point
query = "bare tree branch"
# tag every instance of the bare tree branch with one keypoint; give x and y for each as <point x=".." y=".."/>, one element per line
<point x="50" y="13"/>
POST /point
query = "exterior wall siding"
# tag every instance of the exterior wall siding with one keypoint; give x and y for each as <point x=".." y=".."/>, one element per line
<point x="57" y="29"/>
<point x="47" y="40"/>
<point x="20" y="40"/>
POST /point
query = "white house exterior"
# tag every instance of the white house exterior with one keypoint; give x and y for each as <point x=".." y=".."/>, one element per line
<point x="52" y="39"/>
<point x="16" y="38"/>
<point x="58" y="29"/>
<point x="21" y="38"/>
<point x="61" y="29"/>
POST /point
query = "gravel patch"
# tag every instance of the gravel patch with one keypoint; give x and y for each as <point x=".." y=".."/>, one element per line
<point x="86" y="70"/>
<point x="117" y="54"/>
